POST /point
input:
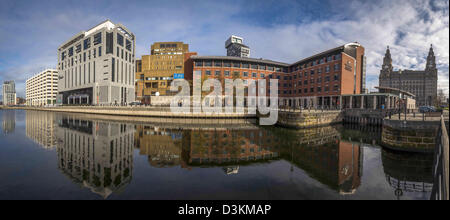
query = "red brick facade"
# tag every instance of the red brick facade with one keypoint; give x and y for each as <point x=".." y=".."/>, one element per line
<point x="314" y="81"/>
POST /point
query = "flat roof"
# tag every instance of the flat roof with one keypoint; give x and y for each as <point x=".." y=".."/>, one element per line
<point x="394" y="89"/>
<point x="231" y="58"/>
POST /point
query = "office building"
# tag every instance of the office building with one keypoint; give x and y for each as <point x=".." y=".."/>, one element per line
<point x="421" y="83"/>
<point x="42" y="88"/>
<point x="155" y="72"/>
<point x="235" y="47"/>
<point x="9" y="93"/>
<point x="96" y="67"/>
<point x="316" y="81"/>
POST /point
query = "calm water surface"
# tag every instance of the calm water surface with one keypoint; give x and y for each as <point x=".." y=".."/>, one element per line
<point x="47" y="155"/>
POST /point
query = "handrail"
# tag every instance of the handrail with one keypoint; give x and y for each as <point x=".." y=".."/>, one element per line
<point x="440" y="169"/>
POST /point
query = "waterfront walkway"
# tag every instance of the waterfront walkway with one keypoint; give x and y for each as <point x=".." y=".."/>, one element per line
<point x="139" y="111"/>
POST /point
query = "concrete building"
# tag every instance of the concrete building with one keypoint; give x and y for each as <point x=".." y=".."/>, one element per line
<point x="97" y="67"/>
<point x="319" y="80"/>
<point x="42" y="88"/>
<point x="9" y="93"/>
<point x="155" y="72"/>
<point x="421" y="83"/>
<point x="235" y="47"/>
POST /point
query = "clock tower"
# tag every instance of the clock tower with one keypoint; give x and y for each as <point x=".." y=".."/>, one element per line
<point x="386" y="68"/>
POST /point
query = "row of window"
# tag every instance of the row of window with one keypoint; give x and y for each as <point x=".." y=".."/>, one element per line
<point x="316" y="62"/>
<point x="98" y="40"/>
<point x="234" y="64"/>
<point x="82" y="58"/>
<point x="309" y="90"/>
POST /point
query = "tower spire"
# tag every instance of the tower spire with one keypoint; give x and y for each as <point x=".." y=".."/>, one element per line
<point x="431" y="59"/>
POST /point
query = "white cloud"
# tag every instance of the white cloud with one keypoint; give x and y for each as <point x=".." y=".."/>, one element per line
<point x="408" y="27"/>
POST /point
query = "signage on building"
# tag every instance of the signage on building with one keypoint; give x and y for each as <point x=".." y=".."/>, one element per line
<point x="348" y="66"/>
<point x="178" y="75"/>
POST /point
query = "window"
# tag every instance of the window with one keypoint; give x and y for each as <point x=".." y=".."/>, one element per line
<point x="70" y="51"/>
<point x="109" y="43"/>
<point x="312" y="72"/>
<point x="87" y="43"/>
<point x="99" y="51"/>
<point x="305" y="82"/>
<point x="271" y="68"/>
<point x="208" y="72"/>
<point x="128" y="45"/>
<point x="245" y="65"/>
<point x="226" y="73"/>
<point x="311" y="89"/>
<point x="254" y="75"/>
<point x="208" y="63"/>
<point x="236" y="74"/>
<point x="261" y="67"/>
<point x="336" y="77"/>
<point x="226" y="64"/>
<point x="319" y="89"/>
<point x="337" y="57"/>
<point x="326" y="89"/>
<point x="245" y="74"/>
<point x="218" y="63"/>
<point x="336" y="88"/>
<point x="236" y="64"/>
<point x="78" y="48"/>
<point x="98" y="38"/>
<point x="63" y="56"/>
<point x="197" y="63"/>
<point x="329" y="58"/>
<point x="217" y="73"/>
<point x="120" y="39"/>
<point x="84" y="57"/>
<point x="327" y="78"/>
<point x="254" y="66"/>
<point x="337" y="67"/>
<point x="327" y="69"/>
<point x="262" y="75"/>
<point x="113" y="70"/>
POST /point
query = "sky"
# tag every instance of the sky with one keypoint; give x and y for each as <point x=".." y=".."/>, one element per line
<point x="280" y="30"/>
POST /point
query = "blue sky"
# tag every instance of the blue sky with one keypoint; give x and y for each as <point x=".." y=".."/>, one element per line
<point x="286" y="31"/>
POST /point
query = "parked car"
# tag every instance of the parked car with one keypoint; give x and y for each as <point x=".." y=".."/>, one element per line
<point x="424" y="109"/>
<point x="135" y="103"/>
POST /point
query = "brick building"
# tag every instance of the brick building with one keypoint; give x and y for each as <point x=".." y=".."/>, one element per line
<point x="316" y="81"/>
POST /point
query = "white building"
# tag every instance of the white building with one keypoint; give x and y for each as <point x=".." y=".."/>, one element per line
<point x="42" y="88"/>
<point x="236" y="48"/>
<point x="9" y="93"/>
<point x="96" y="67"/>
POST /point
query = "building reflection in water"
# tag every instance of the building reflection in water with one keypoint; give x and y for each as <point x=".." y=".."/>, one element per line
<point x="408" y="172"/>
<point x="96" y="154"/>
<point x="318" y="151"/>
<point x="325" y="156"/>
<point x="8" y="121"/>
<point x="40" y="127"/>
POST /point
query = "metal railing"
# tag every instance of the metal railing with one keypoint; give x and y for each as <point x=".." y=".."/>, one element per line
<point x="440" y="168"/>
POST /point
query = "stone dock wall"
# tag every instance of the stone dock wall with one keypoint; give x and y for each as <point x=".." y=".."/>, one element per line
<point x="412" y="136"/>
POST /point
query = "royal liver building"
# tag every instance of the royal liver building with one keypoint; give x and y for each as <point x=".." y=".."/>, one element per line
<point x="422" y="83"/>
